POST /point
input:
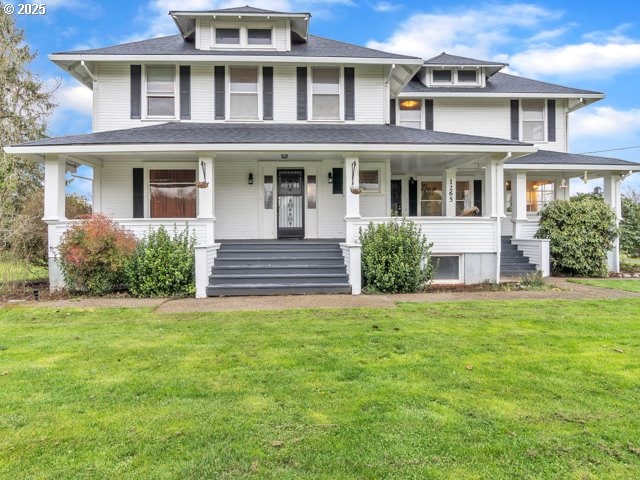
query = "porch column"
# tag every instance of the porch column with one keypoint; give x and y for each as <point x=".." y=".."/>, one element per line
<point x="450" y="189"/>
<point x="206" y="195"/>
<point x="96" y="189"/>
<point x="494" y="183"/>
<point x="54" y="188"/>
<point x="352" y="177"/>
<point x="518" y="201"/>
<point x="612" y="197"/>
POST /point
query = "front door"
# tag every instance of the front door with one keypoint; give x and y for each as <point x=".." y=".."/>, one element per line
<point x="290" y="203"/>
<point x="396" y="198"/>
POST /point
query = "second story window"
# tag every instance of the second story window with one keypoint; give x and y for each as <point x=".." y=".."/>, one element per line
<point x="161" y="91"/>
<point x="442" y="76"/>
<point x="243" y="93"/>
<point x="533" y="120"/>
<point x="227" y="36"/>
<point x="410" y="113"/>
<point x="259" y="36"/>
<point x="467" y="76"/>
<point x="325" y="93"/>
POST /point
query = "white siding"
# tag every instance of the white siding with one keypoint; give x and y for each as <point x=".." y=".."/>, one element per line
<point x="203" y="34"/>
<point x="485" y="117"/>
<point x="284" y="94"/>
<point x="370" y="94"/>
<point x="331" y="207"/>
<point x="116" y="188"/>
<point x="237" y="203"/>
<point x="202" y="93"/>
<point x="375" y="204"/>
<point x="280" y="34"/>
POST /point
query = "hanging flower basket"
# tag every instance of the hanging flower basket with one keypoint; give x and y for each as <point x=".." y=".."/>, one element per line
<point x="356" y="190"/>
<point x="202" y="184"/>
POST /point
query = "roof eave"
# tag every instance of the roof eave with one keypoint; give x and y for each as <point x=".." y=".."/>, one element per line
<point x="572" y="166"/>
<point x="588" y="97"/>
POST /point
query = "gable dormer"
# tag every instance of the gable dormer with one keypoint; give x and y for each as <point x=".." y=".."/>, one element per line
<point x="452" y="71"/>
<point x="243" y="29"/>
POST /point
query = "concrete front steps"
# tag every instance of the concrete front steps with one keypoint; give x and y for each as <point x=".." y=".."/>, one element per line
<point x="513" y="263"/>
<point x="278" y="267"/>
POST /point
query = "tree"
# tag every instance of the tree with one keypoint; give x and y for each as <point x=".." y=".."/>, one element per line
<point x="582" y="230"/>
<point x="25" y="106"/>
<point x="630" y="224"/>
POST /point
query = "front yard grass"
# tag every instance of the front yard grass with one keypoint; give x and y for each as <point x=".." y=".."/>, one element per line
<point x="476" y="390"/>
<point x="625" y="284"/>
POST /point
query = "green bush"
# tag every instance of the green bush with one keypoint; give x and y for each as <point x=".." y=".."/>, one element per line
<point x="630" y="227"/>
<point x="163" y="265"/>
<point x="93" y="255"/>
<point x="582" y="230"/>
<point x="395" y="258"/>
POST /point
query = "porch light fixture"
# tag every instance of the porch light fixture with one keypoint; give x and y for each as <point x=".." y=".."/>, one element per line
<point x="330" y="177"/>
<point x="410" y="105"/>
<point x="250" y="178"/>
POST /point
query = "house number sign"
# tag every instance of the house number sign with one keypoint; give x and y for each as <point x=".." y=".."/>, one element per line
<point x="450" y="191"/>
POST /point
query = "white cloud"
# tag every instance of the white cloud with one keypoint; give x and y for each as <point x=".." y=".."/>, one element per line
<point x="74" y="111"/>
<point x="604" y="122"/>
<point x="385" y="6"/>
<point x="474" y="32"/>
<point x="546" y="35"/>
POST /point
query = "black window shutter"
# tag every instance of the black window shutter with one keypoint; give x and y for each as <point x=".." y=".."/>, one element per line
<point x="392" y="112"/>
<point x="349" y="93"/>
<point x="136" y="91"/>
<point x="138" y="192"/>
<point x="219" y="92"/>
<point x="185" y="92"/>
<point x="477" y="195"/>
<point x="428" y="114"/>
<point x="515" y="119"/>
<point x="267" y="93"/>
<point x="302" y="93"/>
<point x="338" y="180"/>
<point x="551" y="116"/>
<point x="413" y="197"/>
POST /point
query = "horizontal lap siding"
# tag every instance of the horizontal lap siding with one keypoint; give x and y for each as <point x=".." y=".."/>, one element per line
<point x="485" y="117"/>
<point x="369" y="93"/>
<point x="204" y="33"/>
<point x="116" y="190"/>
<point x="375" y="204"/>
<point x="280" y="34"/>
<point x="237" y="203"/>
<point x="331" y="207"/>
<point x="202" y="93"/>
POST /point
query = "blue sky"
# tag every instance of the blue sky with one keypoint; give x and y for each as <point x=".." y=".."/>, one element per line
<point x="586" y="44"/>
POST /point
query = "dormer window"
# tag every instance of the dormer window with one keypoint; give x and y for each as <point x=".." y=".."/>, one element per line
<point x="259" y="36"/>
<point x="227" y="36"/>
<point x="467" y="76"/>
<point x="442" y="76"/>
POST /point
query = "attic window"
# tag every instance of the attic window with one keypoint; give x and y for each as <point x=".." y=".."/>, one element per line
<point x="467" y="76"/>
<point x="442" y="76"/>
<point x="259" y="36"/>
<point x="228" y="36"/>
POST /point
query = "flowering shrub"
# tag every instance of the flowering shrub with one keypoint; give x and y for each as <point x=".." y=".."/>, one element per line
<point x="93" y="255"/>
<point x="163" y="265"/>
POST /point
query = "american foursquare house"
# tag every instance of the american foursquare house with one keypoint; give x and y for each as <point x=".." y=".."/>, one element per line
<point x="277" y="146"/>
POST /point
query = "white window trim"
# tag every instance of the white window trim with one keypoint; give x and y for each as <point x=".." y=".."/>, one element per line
<point x="340" y="94"/>
<point x="432" y="178"/>
<point x="454" y="77"/>
<point x="545" y="120"/>
<point x="227" y="94"/>
<point x="379" y="191"/>
<point x="422" y="113"/>
<point x="148" y="166"/>
<point x="460" y="278"/>
<point x="176" y="94"/>
<point x="244" y="36"/>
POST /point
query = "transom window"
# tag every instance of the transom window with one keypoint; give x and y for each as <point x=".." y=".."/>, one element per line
<point x="442" y="76"/>
<point x="533" y="120"/>
<point x="539" y="194"/>
<point x="172" y="193"/>
<point x="259" y="36"/>
<point x="228" y="36"/>
<point x="161" y="90"/>
<point x="325" y="92"/>
<point x="243" y="93"/>
<point x="410" y="113"/>
<point x="370" y="180"/>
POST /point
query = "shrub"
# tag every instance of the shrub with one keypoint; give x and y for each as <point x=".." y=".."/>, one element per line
<point x="163" y="265"/>
<point x="533" y="281"/>
<point x="93" y="255"/>
<point x="395" y="258"/>
<point x="582" y="230"/>
<point x="630" y="227"/>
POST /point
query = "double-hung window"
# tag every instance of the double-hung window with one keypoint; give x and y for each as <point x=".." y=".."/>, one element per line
<point x="442" y="76"/>
<point x="533" y="120"/>
<point x="243" y="93"/>
<point x="325" y="93"/>
<point x="161" y="91"/>
<point x="259" y="36"/>
<point x="410" y="113"/>
<point x="539" y="194"/>
<point x="227" y="36"/>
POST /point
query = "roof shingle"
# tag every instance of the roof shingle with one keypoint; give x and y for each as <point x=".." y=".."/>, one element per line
<point x="547" y="157"/>
<point x="453" y="61"/>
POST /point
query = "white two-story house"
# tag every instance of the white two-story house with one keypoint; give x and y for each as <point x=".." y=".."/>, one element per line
<point x="277" y="146"/>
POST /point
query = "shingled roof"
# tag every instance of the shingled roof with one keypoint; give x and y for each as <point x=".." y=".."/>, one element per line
<point x="224" y="133"/>
<point x="176" y="45"/>
<point x="445" y="59"/>
<point x="500" y="83"/>
<point x="547" y="157"/>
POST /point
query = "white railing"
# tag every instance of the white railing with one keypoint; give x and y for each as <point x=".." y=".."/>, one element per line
<point x="448" y="234"/>
<point x="526" y="229"/>
<point x="204" y="259"/>
<point x="538" y="252"/>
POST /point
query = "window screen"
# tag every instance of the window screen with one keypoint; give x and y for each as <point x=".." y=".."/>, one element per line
<point x="228" y="36"/>
<point x="325" y="93"/>
<point x="161" y="91"/>
<point x="442" y="76"/>
<point x="243" y="93"/>
<point x="467" y="76"/>
<point x="259" y="36"/>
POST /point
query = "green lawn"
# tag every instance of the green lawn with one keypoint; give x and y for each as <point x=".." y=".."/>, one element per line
<point x="482" y="390"/>
<point x="626" y="284"/>
<point x="18" y="271"/>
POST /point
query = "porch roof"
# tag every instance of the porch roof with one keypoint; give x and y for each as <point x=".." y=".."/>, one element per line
<point x="212" y="134"/>
<point x="547" y="158"/>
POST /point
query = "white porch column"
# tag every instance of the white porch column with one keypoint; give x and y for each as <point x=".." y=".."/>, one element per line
<point x="352" y="179"/>
<point x="206" y="196"/>
<point x="613" y="198"/>
<point x="54" y="188"/>
<point x="518" y="202"/>
<point x="450" y="192"/>
<point x="96" y="189"/>
<point x="495" y="188"/>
